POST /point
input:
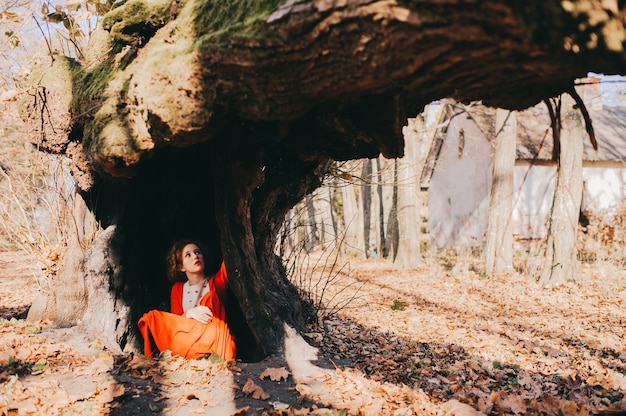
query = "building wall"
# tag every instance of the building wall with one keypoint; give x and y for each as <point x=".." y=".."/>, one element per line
<point x="458" y="195"/>
<point x="605" y="188"/>
<point x="533" y="191"/>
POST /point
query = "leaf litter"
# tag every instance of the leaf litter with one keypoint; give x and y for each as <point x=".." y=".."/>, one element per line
<point x="426" y="341"/>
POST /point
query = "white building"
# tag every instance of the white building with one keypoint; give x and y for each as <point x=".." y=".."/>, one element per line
<point x="459" y="169"/>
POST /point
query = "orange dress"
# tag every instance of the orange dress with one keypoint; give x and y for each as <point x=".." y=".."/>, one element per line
<point x="187" y="337"/>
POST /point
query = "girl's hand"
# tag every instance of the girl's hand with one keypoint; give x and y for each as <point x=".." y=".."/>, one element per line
<point x="201" y="314"/>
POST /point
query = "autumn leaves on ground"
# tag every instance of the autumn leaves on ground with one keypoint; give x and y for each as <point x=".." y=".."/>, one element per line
<point x="433" y="340"/>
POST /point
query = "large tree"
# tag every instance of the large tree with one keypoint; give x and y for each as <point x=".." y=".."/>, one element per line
<point x="213" y="118"/>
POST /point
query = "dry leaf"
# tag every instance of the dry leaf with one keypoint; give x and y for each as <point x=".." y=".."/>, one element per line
<point x="456" y="408"/>
<point x="275" y="374"/>
<point x="198" y="410"/>
<point x="241" y="412"/>
<point x="513" y="403"/>
<point x="256" y="391"/>
<point x="108" y="391"/>
<point x="279" y="405"/>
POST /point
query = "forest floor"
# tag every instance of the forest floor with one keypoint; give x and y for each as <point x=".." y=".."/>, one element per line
<point x="434" y="340"/>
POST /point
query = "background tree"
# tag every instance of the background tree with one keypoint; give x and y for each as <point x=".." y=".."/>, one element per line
<point x="213" y="119"/>
<point x="499" y="245"/>
<point x="561" y="262"/>
<point x="409" y="203"/>
<point x="384" y="247"/>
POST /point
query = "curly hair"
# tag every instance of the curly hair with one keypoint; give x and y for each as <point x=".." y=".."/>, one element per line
<point x="175" y="260"/>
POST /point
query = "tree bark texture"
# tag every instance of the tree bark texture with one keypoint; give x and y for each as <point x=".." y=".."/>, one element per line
<point x="409" y="218"/>
<point x="384" y="251"/>
<point x="213" y="119"/>
<point x="252" y="197"/>
<point x="499" y="246"/>
<point x="354" y="243"/>
<point x="561" y="262"/>
<point x="366" y="195"/>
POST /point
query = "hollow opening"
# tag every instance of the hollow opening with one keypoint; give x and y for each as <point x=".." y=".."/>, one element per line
<point x="171" y="197"/>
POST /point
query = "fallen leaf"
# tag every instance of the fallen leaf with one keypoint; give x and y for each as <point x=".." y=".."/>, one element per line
<point x="275" y="374"/>
<point x="109" y="391"/>
<point x="279" y="405"/>
<point x="256" y="391"/>
<point x="456" y="408"/>
<point x="513" y="403"/>
<point x="198" y="410"/>
<point x="241" y="412"/>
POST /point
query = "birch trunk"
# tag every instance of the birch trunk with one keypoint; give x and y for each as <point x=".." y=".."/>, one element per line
<point x="499" y="248"/>
<point x="409" y="255"/>
<point x="366" y="196"/>
<point x="561" y="263"/>
<point x="384" y="247"/>
<point x="353" y="220"/>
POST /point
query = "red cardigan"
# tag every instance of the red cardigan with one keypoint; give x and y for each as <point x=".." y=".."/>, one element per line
<point x="217" y="283"/>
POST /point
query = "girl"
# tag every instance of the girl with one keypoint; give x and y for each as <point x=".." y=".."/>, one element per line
<point x="196" y="325"/>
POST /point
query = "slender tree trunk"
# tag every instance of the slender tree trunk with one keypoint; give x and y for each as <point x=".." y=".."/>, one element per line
<point x="353" y="220"/>
<point x="333" y="214"/>
<point x="384" y="248"/>
<point x="366" y="194"/>
<point x="561" y="263"/>
<point x="499" y="247"/>
<point x="409" y="255"/>
<point x="326" y="232"/>
<point x="393" y="232"/>
<point x="286" y="235"/>
<point x="311" y="226"/>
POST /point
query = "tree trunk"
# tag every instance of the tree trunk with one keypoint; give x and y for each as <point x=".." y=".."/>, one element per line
<point x="393" y="231"/>
<point x="323" y="210"/>
<point x="252" y="197"/>
<point x="353" y="244"/>
<point x="384" y="246"/>
<point x="311" y="226"/>
<point x="366" y="196"/>
<point x="86" y="289"/>
<point x="409" y="218"/>
<point x="561" y="262"/>
<point x="499" y="246"/>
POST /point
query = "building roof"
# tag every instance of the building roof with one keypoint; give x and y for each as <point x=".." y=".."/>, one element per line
<point x="534" y="134"/>
<point x="606" y="107"/>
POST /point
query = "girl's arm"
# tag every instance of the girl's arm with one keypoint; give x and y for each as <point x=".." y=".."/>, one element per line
<point x="220" y="281"/>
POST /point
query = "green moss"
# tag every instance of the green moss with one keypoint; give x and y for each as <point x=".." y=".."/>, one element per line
<point x="56" y="77"/>
<point x="111" y="140"/>
<point x="99" y="91"/>
<point x="136" y="21"/>
<point x="223" y="20"/>
<point x="91" y="140"/>
<point x="90" y="85"/>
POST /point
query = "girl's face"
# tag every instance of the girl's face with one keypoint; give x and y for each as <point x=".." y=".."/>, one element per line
<point x="192" y="260"/>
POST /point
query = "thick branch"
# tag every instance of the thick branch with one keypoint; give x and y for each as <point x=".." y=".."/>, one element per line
<point x="338" y="61"/>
